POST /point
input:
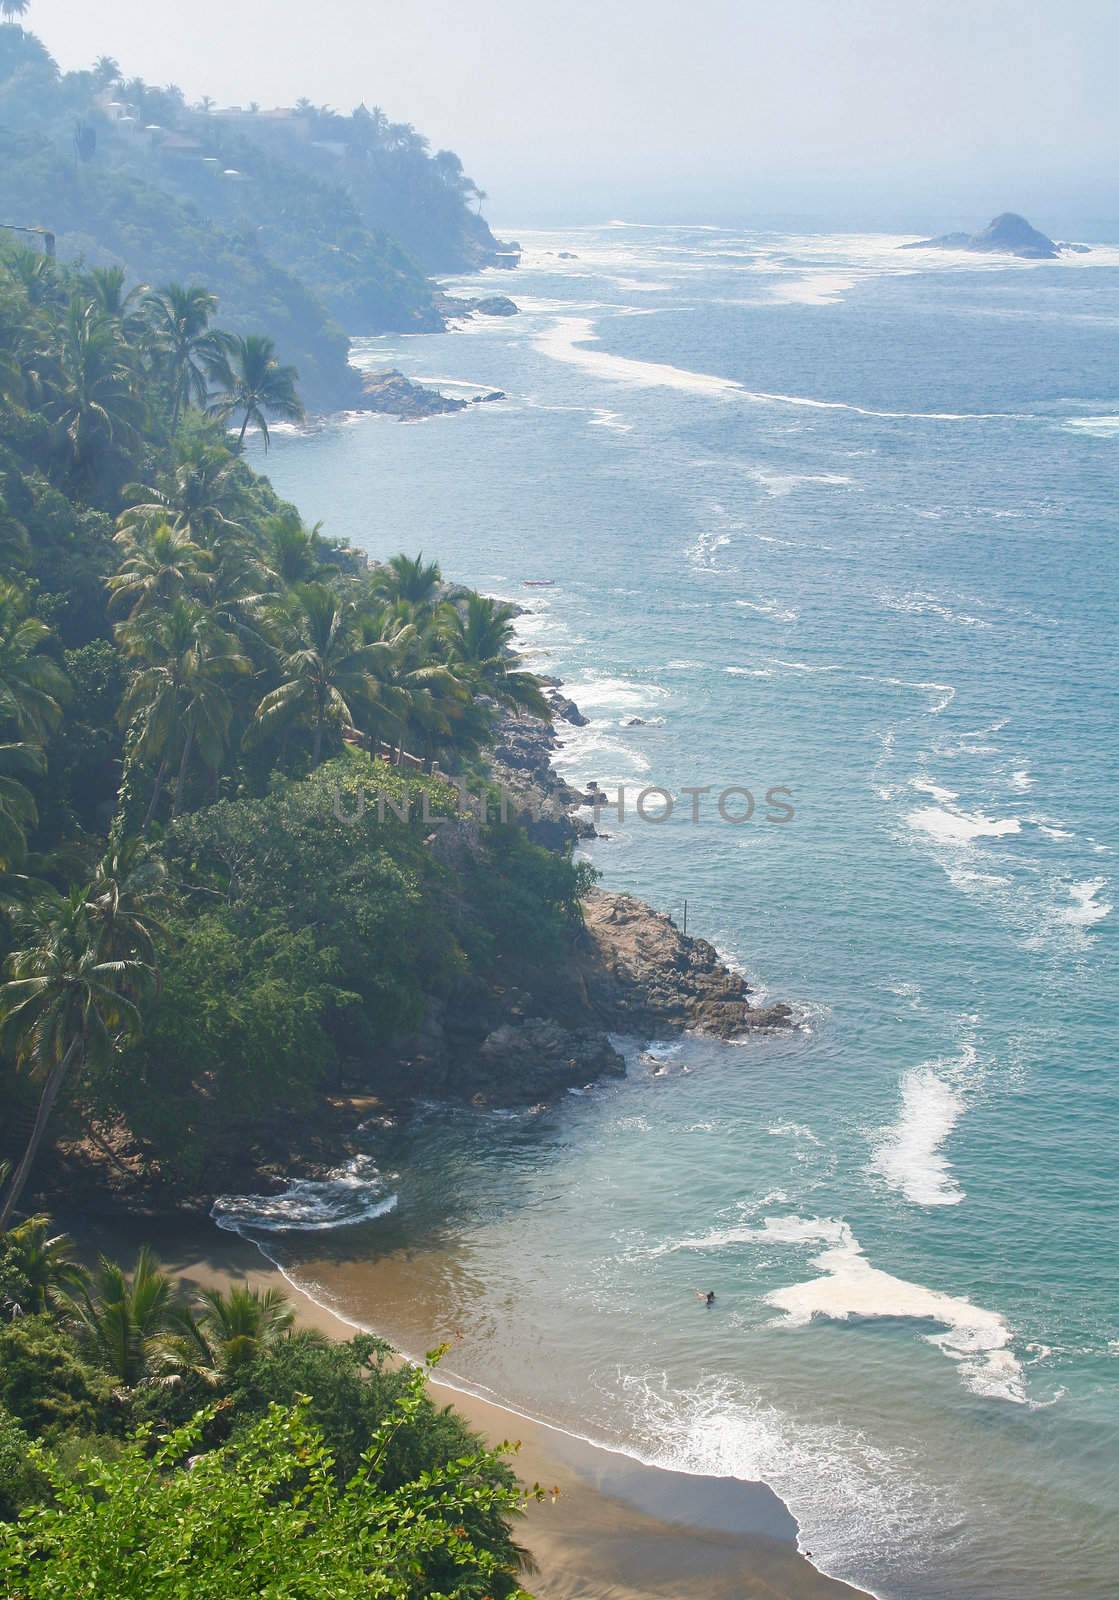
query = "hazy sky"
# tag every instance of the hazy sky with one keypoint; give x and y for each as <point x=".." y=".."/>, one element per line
<point x="882" y="110"/>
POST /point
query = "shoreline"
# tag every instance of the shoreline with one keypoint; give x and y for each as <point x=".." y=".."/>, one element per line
<point x="620" y="1529"/>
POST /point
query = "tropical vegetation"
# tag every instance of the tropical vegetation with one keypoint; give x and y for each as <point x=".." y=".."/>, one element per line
<point x="162" y="1439"/>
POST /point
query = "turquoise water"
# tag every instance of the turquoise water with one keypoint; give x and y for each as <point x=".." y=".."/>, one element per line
<point x="843" y="521"/>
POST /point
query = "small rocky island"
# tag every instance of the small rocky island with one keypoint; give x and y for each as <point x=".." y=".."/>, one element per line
<point x="1007" y="234"/>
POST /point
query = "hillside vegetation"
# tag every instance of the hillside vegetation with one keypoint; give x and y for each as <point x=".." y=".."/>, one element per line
<point x="202" y="927"/>
<point x="309" y="226"/>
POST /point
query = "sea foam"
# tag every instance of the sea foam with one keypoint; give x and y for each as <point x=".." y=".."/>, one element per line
<point x="354" y="1193"/>
<point x="908" y="1155"/>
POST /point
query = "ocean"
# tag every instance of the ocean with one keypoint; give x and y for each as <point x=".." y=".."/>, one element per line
<point x="840" y="521"/>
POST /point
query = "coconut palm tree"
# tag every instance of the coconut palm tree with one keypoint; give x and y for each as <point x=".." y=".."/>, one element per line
<point x="252" y="382"/>
<point x="124" y="900"/>
<point x="422" y="695"/>
<point x="327" y="671"/>
<point x="42" y="1267"/>
<point x="408" y="578"/>
<point x="179" y="693"/>
<point x="228" y="1331"/>
<point x="63" y="1006"/>
<point x="180" y="323"/>
<point x="32" y="686"/>
<point x="198" y="497"/>
<point x="18" y="811"/>
<point x="290" y="549"/>
<point x="480" y="648"/>
<point x="158" y="565"/>
<point x="14" y="8"/>
<point x="93" y="400"/>
<point x="106" y="71"/>
<point x="123" y="1319"/>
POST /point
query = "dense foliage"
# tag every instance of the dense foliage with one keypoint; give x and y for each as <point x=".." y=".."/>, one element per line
<point x="310" y="227"/>
<point x="155" y="1441"/>
<point x="207" y="915"/>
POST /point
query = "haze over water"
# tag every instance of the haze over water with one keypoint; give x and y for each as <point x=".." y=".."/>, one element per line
<point x="827" y="517"/>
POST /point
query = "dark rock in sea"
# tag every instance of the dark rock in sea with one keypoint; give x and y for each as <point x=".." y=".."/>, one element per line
<point x="634" y="722"/>
<point x="1008" y="234"/>
<point x="397" y="396"/>
<point x="494" y="394"/>
<point x="496" y="305"/>
<point x="566" y="709"/>
<point x="567" y="255"/>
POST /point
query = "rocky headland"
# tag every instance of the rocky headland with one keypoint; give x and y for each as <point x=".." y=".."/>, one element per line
<point x="528" y="1033"/>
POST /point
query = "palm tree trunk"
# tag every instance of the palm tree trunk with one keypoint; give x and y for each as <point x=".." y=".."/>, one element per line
<point x="244" y="429"/>
<point x="316" y="748"/>
<point x="176" y="409"/>
<point x="184" y="767"/>
<point x="156" y="792"/>
<point x="54" y="1083"/>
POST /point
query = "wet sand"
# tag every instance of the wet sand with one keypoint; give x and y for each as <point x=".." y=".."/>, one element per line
<point x="618" y="1530"/>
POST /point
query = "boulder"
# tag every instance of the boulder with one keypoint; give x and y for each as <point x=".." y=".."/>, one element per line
<point x="496" y="305"/>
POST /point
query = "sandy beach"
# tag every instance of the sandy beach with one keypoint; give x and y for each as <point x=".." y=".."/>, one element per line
<point x="617" y="1530"/>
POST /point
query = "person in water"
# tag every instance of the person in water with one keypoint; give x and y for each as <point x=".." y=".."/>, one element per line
<point x="706" y="1295"/>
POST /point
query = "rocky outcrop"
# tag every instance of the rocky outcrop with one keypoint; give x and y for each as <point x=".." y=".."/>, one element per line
<point x="457" y="308"/>
<point x="496" y="305"/>
<point x="537" y="1058"/>
<point x="643" y="976"/>
<point x="522" y="765"/>
<point x="1007" y="234"/>
<point x="397" y="396"/>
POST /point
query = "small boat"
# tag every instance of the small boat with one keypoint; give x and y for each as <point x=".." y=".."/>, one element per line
<point x="538" y="583"/>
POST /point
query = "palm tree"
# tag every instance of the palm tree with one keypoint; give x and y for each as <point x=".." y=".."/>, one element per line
<point x="31" y="684"/>
<point x="43" y="1265"/>
<point x="327" y="672"/>
<point x="106" y="71"/>
<point x="229" y="1331"/>
<point x="18" y="811"/>
<point x="158" y="565"/>
<point x="409" y="578"/>
<point x="14" y="8"/>
<point x="123" y="1320"/>
<point x="480" y="646"/>
<point x="94" y="403"/>
<point x="180" y="323"/>
<point x="419" y="692"/>
<point x="290" y="549"/>
<point x="63" y="1006"/>
<point x="31" y="687"/>
<point x="197" y="498"/>
<point x="252" y="382"/>
<point x="123" y="901"/>
<point x="179" y="692"/>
